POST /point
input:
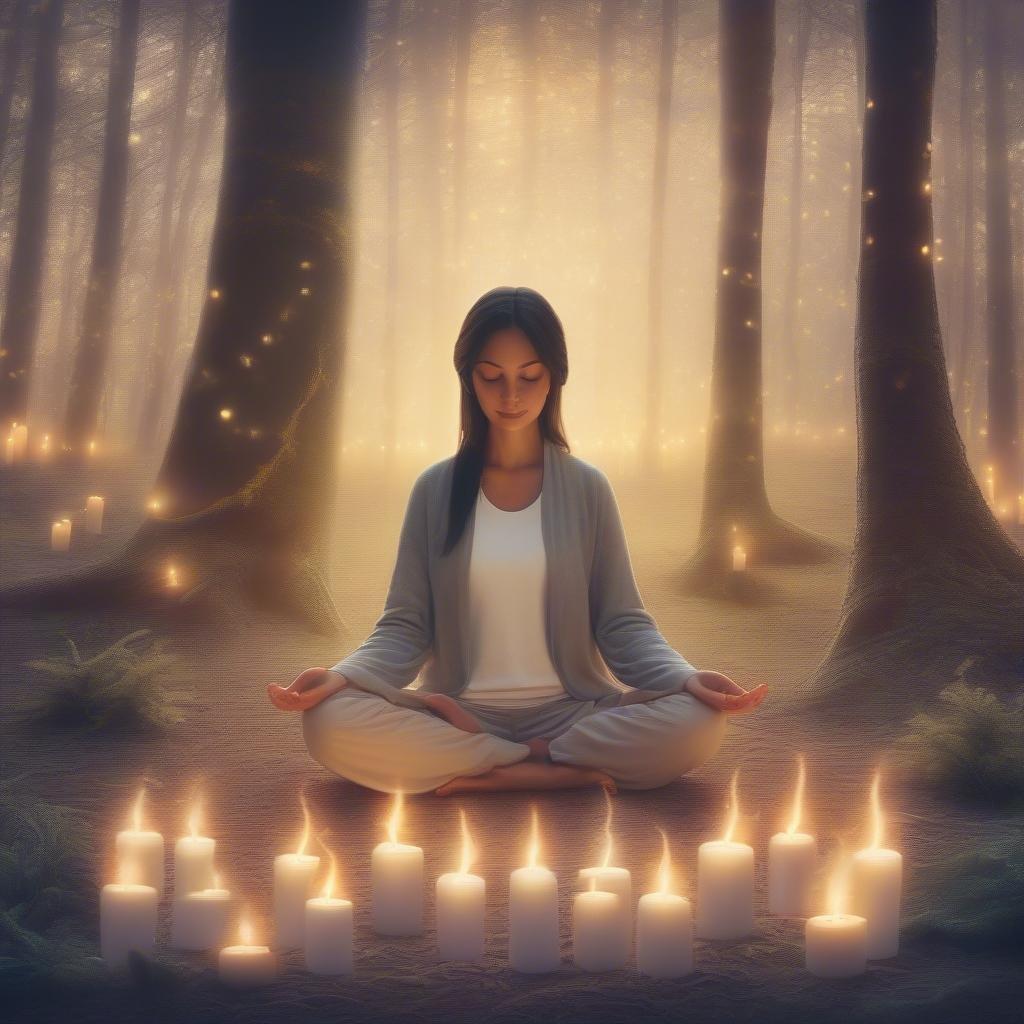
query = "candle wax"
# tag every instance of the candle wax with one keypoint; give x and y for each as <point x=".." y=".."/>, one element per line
<point x="664" y="935"/>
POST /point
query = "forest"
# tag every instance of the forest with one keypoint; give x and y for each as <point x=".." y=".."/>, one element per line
<point x="785" y="239"/>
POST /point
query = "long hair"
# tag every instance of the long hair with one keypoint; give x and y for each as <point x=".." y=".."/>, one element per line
<point x="495" y="310"/>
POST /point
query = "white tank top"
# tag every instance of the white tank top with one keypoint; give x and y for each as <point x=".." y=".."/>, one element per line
<point x="510" y="665"/>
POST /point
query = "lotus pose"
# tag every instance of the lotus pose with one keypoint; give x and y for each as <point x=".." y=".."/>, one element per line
<point x="513" y="601"/>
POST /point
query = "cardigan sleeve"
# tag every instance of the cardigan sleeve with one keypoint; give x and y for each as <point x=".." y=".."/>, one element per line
<point x="403" y="636"/>
<point x="627" y="636"/>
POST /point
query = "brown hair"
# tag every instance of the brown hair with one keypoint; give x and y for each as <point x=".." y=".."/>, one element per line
<point x="495" y="310"/>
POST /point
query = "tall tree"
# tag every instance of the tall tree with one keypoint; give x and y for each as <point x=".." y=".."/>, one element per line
<point x="247" y="482"/>
<point x="933" y="577"/>
<point x="24" y="280"/>
<point x="9" y="76"/>
<point x="735" y="505"/>
<point x="104" y="272"/>
<point x="1004" y="446"/>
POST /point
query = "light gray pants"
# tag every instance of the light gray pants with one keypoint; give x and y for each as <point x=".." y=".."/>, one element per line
<point x="394" y="742"/>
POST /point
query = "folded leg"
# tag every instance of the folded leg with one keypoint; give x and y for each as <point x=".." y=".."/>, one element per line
<point x="367" y="739"/>
<point x="643" y="745"/>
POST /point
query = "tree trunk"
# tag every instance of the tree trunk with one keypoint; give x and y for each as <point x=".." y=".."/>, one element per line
<point x="735" y="507"/>
<point x="933" y="577"/>
<point x="104" y="273"/>
<point x="166" y="288"/>
<point x="656" y="250"/>
<point x="1004" y="447"/>
<point x="249" y="474"/>
<point x="24" y="280"/>
<point x="9" y="79"/>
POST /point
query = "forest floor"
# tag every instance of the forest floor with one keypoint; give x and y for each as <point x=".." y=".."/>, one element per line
<point x="251" y="763"/>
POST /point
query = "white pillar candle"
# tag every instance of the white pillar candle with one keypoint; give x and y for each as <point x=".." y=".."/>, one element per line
<point x="664" y="935"/>
<point x="127" y="921"/>
<point x="246" y="965"/>
<point x="600" y="939"/>
<point x="610" y="879"/>
<point x="876" y="878"/>
<point x="836" y="945"/>
<point x="293" y="885"/>
<point x="533" y="946"/>
<point x="792" y="858"/>
<point x="739" y="558"/>
<point x="193" y="864"/>
<point x="60" y="535"/>
<point x="328" y="935"/>
<point x="460" y="916"/>
<point x="94" y="514"/>
<point x="200" y="919"/>
<point x="396" y="882"/>
<point x="141" y="850"/>
<point x="725" y="890"/>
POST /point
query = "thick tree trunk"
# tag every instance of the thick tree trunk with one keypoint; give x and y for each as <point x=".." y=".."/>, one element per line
<point x="933" y="579"/>
<point x="249" y="474"/>
<point x="1004" y="446"/>
<point x="24" y="280"/>
<point x="9" y="76"/>
<point x="656" y="243"/>
<point x="735" y="508"/>
<point x="104" y="273"/>
<point x="166" y="288"/>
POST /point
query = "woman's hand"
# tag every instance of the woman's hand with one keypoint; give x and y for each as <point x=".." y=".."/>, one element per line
<point x="721" y="693"/>
<point x="307" y="689"/>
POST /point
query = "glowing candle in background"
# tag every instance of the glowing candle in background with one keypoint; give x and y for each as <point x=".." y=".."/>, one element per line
<point x="293" y="885"/>
<point x="792" y="858"/>
<point x="739" y="558"/>
<point x="327" y="940"/>
<point x="990" y="485"/>
<point x="20" y="434"/>
<point x="664" y="926"/>
<point x="9" y="450"/>
<point x="600" y="940"/>
<point x="609" y="878"/>
<point x="44" y="448"/>
<point x="60" y="535"/>
<point x="193" y="858"/>
<point x="876" y="881"/>
<point x="836" y="942"/>
<point x="460" y="906"/>
<point x="246" y="965"/>
<point x="94" y="514"/>
<point x="1020" y="509"/>
<point x="127" y="918"/>
<point x="533" y="946"/>
<point x="725" y="881"/>
<point x="172" y="578"/>
<point x="142" y="849"/>
<point x="200" y="919"/>
<point x="396" y="871"/>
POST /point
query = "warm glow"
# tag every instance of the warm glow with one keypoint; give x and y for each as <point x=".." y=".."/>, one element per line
<point x="137" y="811"/>
<point x="876" y="813"/>
<point x="172" y="576"/>
<point x="533" y="851"/>
<point x="665" y="866"/>
<point x="226" y="414"/>
<point x="193" y="818"/>
<point x="870" y="104"/>
<point x="798" y="800"/>
<point x="925" y="250"/>
<point x="607" y="833"/>
<point x="126" y="871"/>
<point x="305" y="264"/>
<point x="304" y="291"/>
<point x="734" y="807"/>
<point x="92" y="447"/>
<point x="214" y="293"/>
<point x="304" y="839"/>
<point x="216" y="880"/>
<point x="154" y="504"/>
<point x="245" y="933"/>
<point x="395" y="818"/>
<point x="837" y="887"/>
<point x="332" y="873"/>
<point x="468" y="848"/>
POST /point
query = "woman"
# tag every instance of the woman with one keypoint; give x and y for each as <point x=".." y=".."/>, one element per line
<point x="514" y="593"/>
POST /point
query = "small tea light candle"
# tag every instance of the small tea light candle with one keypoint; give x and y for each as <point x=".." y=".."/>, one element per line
<point x="739" y="558"/>
<point x="533" y="940"/>
<point x="60" y="535"/>
<point x="193" y="859"/>
<point x="460" y="907"/>
<point x="200" y="919"/>
<point x="600" y="940"/>
<point x="142" y="850"/>
<point x="94" y="514"/>
<point x="293" y="885"/>
<point x="127" y="919"/>
<point x="836" y="943"/>
<point x="792" y="859"/>
<point x="327" y="940"/>
<point x="246" y="965"/>
<point x="664" y="927"/>
<point x="725" y="883"/>
<point x="396" y="871"/>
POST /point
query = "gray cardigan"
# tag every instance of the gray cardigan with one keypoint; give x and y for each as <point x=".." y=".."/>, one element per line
<point x="595" y="619"/>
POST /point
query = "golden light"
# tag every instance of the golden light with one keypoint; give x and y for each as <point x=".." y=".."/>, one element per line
<point x="870" y="104"/>
<point x="837" y="886"/>
<point x="925" y="249"/>
<point x="927" y="187"/>
<point x="664" y="866"/>
<point x="226" y="414"/>
<point x="726" y="271"/>
<point x="798" y="799"/>
<point x="92" y="447"/>
<point x="245" y="932"/>
<point x="267" y="339"/>
<point x="306" y="828"/>
<point x="870" y="240"/>
<point x="533" y="850"/>
<point x="606" y="862"/>
<point x="216" y="880"/>
<point x="172" y="577"/>
<point x="876" y="814"/>
<point x="734" y="808"/>
<point x="245" y="359"/>
<point x="304" y="291"/>
<point x="154" y="504"/>
<point x="869" y="194"/>
<point x="214" y="293"/>
<point x="193" y="817"/>
<point x="469" y="850"/>
<point x="332" y="873"/>
<point x="305" y="265"/>
<point x="395" y="818"/>
<point x="137" y="811"/>
<point x="45" y="446"/>
<point x="126" y="871"/>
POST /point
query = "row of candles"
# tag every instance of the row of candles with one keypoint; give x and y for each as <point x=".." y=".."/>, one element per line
<point x="16" y="447"/>
<point x="839" y="943"/>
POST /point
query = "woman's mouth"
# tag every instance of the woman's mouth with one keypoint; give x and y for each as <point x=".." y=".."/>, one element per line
<point x="512" y="415"/>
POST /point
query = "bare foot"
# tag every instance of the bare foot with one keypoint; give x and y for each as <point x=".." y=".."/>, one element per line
<point x="452" y="711"/>
<point x="307" y="690"/>
<point x="528" y="774"/>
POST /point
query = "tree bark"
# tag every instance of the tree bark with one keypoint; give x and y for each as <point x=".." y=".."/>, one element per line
<point x="9" y="78"/>
<point x="94" y="341"/>
<point x="20" y="327"/>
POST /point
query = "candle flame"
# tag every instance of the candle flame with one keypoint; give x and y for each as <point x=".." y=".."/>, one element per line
<point x="216" y="880"/>
<point x="193" y="818"/>
<point x="137" y="811"/>
<point x="245" y="932"/>
<point x="734" y="808"/>
<point x="468" y="848"/>
<point x="838" y="885"/>
<point x="607" y="832"/>
<point x="395" y="818"/>
<point x="332" y="872"/>
<point x="304" y="839"/>
<point x="876" y="813"/>
<point x="533" y="851"/>
<point x="798" y="800"/>
<point x="172" y="576"/>
<point x="665" y="866"/>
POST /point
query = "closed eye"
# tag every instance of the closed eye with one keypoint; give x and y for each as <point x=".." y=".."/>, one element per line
<point x="525" y="380"/>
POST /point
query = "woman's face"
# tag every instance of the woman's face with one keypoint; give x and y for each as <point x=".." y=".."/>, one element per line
<point x="510" y="378"/>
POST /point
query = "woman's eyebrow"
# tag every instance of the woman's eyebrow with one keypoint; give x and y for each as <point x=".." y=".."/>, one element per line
<point x="498" y="365"/>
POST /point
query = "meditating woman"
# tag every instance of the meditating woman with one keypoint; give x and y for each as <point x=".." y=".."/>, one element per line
<point x="513" y="592"/>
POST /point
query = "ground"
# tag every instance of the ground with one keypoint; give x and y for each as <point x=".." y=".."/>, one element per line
<point x="250" y="760"/>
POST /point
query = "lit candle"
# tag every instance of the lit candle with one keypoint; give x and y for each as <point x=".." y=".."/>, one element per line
<point x="739" y="558"/>
<point x="600" y="941"/>
<point x="1020" y="509"/>
<point x="246" y="965"/>
<point x="608" y="878"/>
<point x="20" y="432"/>
<point x="127" y="918"/>
<point x="396" y="871"/>
<point x="792" y="857"/>
<point x="990" y="484"/>
<point x="94" y="514"/>
<point x="193" y="858"/>
<point x="44" y="448"/>
<point x="664" y="927"/>
<point x="9" y="450"/>
<point x="876" y="881"/>
<point x="142" y="849"/>
<point x="60" y="535"/>
<point x="836" y="943"/>
<point x="293" y="885"/>
<point x="200" y="919"/>
<point x="328" y="929"/>
<point x="725" y="882"/>
<point x="460" y="907"/>
<point x="533" y="946"/>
